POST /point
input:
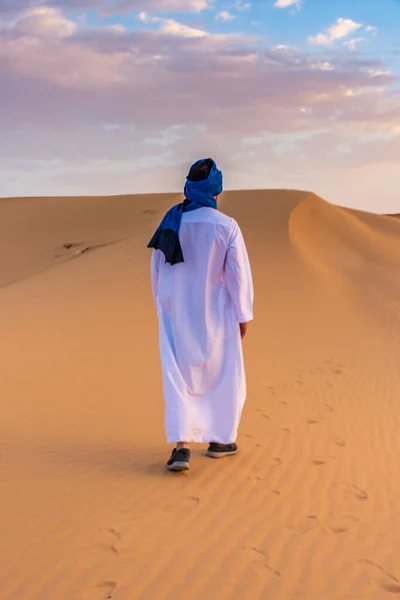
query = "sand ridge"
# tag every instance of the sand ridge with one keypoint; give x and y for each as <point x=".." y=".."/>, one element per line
<point x="307" y="509"/>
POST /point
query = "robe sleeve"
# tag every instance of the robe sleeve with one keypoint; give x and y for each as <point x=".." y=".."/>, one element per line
<point x="155" y="269"/>
<point x="238" y="276"/>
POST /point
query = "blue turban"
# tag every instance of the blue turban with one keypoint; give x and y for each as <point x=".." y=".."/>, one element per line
<point x="198" y="194"/>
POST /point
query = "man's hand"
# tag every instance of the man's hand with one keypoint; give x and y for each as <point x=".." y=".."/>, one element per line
<point x="243" y="329"/>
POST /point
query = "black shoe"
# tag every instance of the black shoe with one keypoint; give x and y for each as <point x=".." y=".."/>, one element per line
<point x="179" y="460"/>
<point x="221" y="450"/>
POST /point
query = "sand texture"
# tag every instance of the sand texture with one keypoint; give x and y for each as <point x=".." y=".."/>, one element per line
<point x="309" y="507"/>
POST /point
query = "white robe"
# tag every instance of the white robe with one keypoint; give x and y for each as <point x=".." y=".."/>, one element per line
<point x="200" y="304"/>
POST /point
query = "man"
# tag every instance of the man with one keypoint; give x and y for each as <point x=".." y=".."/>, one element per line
<point x="203" y="291"/>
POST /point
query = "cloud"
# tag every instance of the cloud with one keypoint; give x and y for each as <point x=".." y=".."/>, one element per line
<point x="379" y="73"/>
<point x="242" y="5"/>
<point x="353" y="43"/>
<point x="287" y="3"/>
<point x="322" y="66"/>
<point x="43" y="21"/>
<point x="107" y="6"/>
<point x="144" y="17"/>
<point x="171" y="27"/>
<point x="284" y="48"/>
<point x="341" y="29"/>
<point x="224" y="16"/>
<point x="42" y="44"/>
<point x="160" y="6"/>
<point x="371" y="29"/>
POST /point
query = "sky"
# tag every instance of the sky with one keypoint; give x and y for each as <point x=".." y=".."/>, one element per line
<point x="121" y="96"/>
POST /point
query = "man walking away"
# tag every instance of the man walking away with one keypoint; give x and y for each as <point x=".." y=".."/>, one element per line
<point x="203" y="291"/>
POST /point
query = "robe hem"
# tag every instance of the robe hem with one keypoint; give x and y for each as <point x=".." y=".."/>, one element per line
<point x="173" y="439"/>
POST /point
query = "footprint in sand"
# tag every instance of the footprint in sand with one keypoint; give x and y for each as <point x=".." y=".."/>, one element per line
<point x="252" y="438"/>
<point x="101" y="547"/>
<point x="262" y="413"/>
<point x="334" y="524"/>
<point x="261" y="559"/>
<point x="262" y="485"/>
<point x="102" y="591"/>
<point x="337" y="524"/>
<point x="334" y="365"/>
<point x="261" y="469"/>
<point x="338" y="441"/>
<point x="271" y="390"/>
<point x="328" y="407"/>
<point x="180" y="504"/>
<point x="387" y="582"/>
<point x="337" y="371"/>
<point x="390" y="585"/>
<point x="107" y="539"/>
<point x="355" y="491"/>
<point x="305" y="524"/>
<point x="312" y="421"/>
<point x="318" y="462"/>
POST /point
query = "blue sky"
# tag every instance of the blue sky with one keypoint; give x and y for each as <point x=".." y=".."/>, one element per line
<point x="289" y="25"/>
<point x="99" y="95"/>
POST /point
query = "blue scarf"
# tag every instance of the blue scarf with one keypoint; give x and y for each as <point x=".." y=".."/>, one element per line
<point x="198" y="194"/>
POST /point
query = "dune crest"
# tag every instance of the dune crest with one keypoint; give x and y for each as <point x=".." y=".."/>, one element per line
<point x="341" y="239"/>
<point x="307" y="509"/>
<point x="349" y="249"/>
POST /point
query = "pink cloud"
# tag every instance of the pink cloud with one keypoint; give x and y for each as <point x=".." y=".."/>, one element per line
<point x="109" y="6"/>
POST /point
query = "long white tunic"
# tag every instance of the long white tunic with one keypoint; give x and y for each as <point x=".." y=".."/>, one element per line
<point x="200" y="304"/>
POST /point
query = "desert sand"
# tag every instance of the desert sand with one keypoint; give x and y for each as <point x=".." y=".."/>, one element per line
<point x="309" y="507"/>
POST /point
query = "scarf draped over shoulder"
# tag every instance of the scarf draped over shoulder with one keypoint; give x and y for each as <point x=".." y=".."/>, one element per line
<point x="198" y="194"/>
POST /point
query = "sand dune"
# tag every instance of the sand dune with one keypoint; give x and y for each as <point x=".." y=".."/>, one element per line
<point x="307" y="509"/>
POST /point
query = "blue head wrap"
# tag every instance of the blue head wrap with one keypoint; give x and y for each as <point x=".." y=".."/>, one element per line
<point x="198" y="194"/>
